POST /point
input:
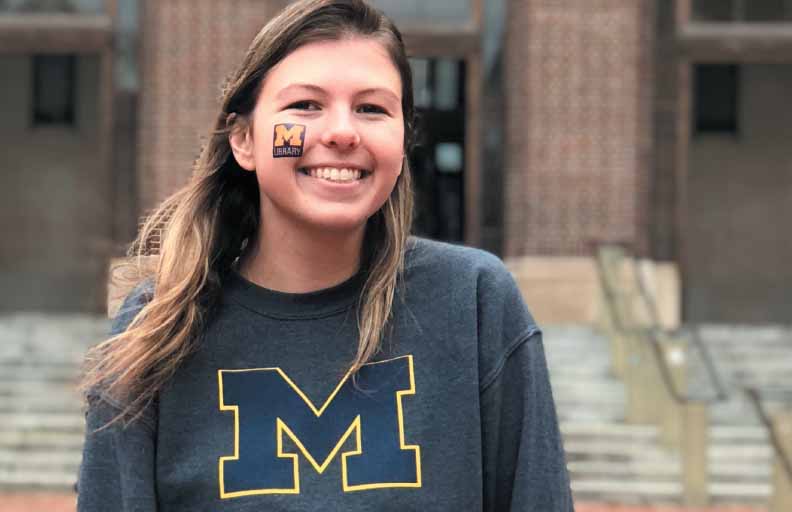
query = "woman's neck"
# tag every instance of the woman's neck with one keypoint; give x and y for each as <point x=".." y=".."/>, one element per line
<point x="297" y="261"/>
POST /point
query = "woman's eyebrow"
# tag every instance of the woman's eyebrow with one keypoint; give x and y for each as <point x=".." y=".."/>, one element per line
<point x="290" y="87"/>
<point x="381" y="90"/>
<point x="316" y="89"/>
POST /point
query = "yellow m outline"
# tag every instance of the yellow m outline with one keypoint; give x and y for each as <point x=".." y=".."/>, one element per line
<point x="294" y="405"/>
<point x="289" y="134"/>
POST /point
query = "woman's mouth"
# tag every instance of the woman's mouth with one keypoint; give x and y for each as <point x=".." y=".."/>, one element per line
<point x="335" y="174"/>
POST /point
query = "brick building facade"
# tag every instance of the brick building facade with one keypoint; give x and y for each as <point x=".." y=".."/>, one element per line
<point x="579" y="126"/>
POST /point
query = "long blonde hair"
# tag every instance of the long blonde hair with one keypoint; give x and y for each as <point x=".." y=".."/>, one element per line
<point x="203" y="229"/>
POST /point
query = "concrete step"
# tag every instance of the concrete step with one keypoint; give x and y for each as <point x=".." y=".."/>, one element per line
<point x="757" y="352"/>
<point x="616" y="450"/>
<point x="24" y="440"/>
<point x="733" y="433"/>
<point x="68" y="460"/>
<point x="606" y="398"/>
<point x="64" y="357"/>
<point x="614" y="490"/>
<point x="589" y="413"/>
<point x="39" y="370"/>
<point x="739" y="332"/>
<point x="42" y="404"/>
<point x="741" y="472"/>
<point x="11" y="480"/>
<point x="38" y="390"/>
<point x="625" y="470"/>
<point x="608" y="430"/>
<point x="733" y="492"/>
<point x="734" y="415"/>
<point x="578" y="372"/>
<point x="582" y="407"/>
<point x="562" y="363"/>
<point x="720" y="453"/>
<point x="11" y="422"/>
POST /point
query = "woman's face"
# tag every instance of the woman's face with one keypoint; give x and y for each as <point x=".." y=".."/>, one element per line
<point x="331" y="111"/>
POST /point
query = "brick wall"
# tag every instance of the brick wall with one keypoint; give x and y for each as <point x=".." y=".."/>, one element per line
<point x="578" y="110"/>
<point x="188" y="49"/>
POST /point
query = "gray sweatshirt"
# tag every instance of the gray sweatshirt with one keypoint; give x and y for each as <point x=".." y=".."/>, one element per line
<point x="454" y="414"/>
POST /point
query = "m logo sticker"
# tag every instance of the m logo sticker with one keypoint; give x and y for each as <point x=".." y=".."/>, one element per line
<point x="288" y="140"/>
<point x="268" y="407"/>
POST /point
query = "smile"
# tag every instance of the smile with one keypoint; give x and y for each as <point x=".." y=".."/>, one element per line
<point x="334" y="173"/>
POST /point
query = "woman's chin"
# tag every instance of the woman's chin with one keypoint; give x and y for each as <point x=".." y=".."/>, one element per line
<point x="341" y="223"/>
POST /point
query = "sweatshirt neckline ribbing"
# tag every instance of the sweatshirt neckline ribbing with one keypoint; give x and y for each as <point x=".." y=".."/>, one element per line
<point x="315" y="304"/>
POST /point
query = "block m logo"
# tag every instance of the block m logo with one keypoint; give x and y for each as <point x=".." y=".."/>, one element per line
<point x="287" y="140"/>
<point x="268" y="406"/>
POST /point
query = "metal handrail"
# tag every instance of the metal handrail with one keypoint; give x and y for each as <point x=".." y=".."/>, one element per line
<point x="665" y="371"/>
<point x="721" y="394"/>
<point x="720" y="390"/>
<point x="778" y="447"/>
<point x="651" y="333"/>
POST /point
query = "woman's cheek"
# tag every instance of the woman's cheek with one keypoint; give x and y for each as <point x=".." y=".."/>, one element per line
<point x="388" y="145"/>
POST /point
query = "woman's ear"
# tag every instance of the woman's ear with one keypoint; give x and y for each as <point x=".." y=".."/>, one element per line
<point x="241" y="140"/>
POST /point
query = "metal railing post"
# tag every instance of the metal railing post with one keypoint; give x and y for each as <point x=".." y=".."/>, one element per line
<point x="695" y="437"/>
<point x="781" y="500"/>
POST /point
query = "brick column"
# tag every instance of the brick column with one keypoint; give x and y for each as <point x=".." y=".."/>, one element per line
<point x="188" y="49"/>
<point x="578" y="120"/>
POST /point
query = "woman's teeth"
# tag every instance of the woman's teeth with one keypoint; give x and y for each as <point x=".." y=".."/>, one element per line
<point x="334" y="174"/>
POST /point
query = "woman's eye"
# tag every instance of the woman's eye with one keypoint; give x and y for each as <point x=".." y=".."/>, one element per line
<point x="304" y="105"/>
<point x="371" y="109"/>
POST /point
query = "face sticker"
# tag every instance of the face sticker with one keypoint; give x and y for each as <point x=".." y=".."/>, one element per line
<point x="288" y="140"/>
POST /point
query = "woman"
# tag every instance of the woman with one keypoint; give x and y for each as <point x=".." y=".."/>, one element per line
<point x="295" y="348"/>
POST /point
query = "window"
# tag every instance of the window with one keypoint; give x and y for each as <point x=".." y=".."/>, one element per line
<point x="426" y="11"/>
<point x="53" y="90"/>
<point x="742" y="10"/>
<point x="767" y="10"/>
<point x="53" y="6"/>
<point x="716" y="98"/>
<point x="713" y="10"/>
<point x="437" y="83"/>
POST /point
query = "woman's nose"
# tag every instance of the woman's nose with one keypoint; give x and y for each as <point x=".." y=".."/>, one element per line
<point x="340" y="133"/>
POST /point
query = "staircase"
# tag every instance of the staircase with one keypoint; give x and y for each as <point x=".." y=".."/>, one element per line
<point x="740" y="453"/>
<point x="41" y="423"/>
<point x="612" y="461"/>
<point x="608" y="459"/>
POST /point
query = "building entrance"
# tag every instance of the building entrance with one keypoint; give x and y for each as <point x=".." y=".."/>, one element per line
<point x="438" y="161"/>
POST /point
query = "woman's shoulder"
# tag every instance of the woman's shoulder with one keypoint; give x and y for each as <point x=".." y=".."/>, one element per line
<point x="461" y="271"/>
<point x="424" y="254"/>
<point x="471" y="282"/>
<point x="134" y="301"/>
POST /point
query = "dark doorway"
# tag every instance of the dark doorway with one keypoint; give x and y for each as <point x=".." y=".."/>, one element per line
<point x="438" y="161"/>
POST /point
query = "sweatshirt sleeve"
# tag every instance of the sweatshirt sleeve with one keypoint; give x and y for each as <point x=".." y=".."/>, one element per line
<point x="117" y="471"/>
<point x="524" y="464"/>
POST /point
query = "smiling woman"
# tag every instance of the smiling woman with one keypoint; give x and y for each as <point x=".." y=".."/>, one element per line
<point x="295" y="348"/>
<point x="352" y="122"/>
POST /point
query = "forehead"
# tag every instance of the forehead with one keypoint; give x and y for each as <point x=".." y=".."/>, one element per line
<point x="348" y="64"/>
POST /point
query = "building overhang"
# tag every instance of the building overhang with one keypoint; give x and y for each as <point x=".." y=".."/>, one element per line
<point x="441" y="41"/>
<point x="55" y="33"/>
<point x="735" y="42"/>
